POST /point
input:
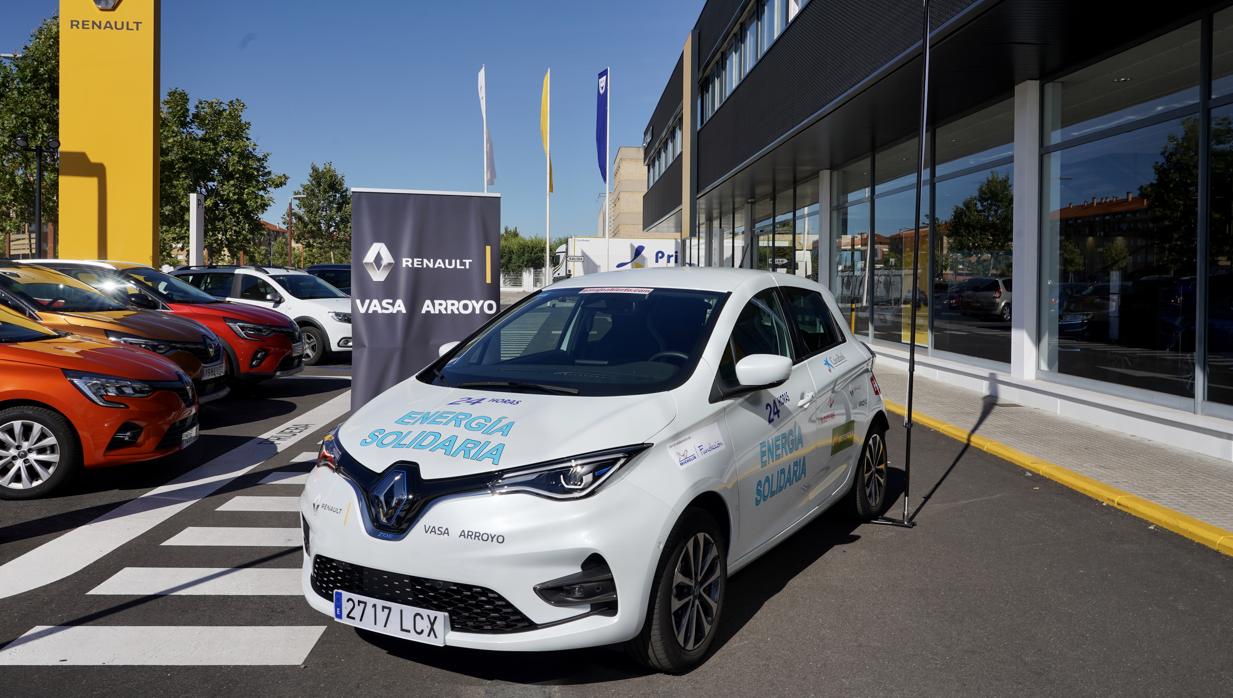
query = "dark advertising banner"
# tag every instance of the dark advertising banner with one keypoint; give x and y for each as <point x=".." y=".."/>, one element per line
<point x="424" y="272"/>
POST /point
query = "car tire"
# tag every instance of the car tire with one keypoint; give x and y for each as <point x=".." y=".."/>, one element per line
<point x="316" y="345"/>
<point x="25" y="472"/>
<point x="867" y="498"/>
<point x="1005" y="313"/>
<point x="668" y="641"/>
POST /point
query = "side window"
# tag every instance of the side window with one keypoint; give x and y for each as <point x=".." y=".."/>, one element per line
<point x="215" y="284"/>
<point x="760" y="329"/>
<point x="815" y="328"/>
<point x="253" y="288"/>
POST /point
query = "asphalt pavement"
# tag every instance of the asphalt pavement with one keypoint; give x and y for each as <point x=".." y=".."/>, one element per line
<point x="1009" y="585"/>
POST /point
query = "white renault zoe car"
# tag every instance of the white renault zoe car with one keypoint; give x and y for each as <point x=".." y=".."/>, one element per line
<point x="592" y="465"/>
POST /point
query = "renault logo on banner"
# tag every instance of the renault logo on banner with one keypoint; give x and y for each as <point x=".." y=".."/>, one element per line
<point x="378" y="261"/>
<point x="106" y="5"/>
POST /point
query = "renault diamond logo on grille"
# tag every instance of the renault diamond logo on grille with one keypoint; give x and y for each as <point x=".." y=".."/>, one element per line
<point x="106" y="5"/>
<point x="378" y="261"/>
<point x="389" y="497"/>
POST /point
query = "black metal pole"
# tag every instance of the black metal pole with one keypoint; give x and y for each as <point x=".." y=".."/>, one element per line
<point x="920" y="174"/>
<point x="38" y="202"/>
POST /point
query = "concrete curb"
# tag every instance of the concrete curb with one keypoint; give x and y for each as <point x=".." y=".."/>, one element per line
<point x="1213" y="537"/>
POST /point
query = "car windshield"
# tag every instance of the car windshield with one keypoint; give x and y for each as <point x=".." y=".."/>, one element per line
<point x="15" y="328"/>
<point x="589" y="341"/>
<point x="168" y="288"/>
<point x="44" y="289"/>
<point x="307" y="287"/>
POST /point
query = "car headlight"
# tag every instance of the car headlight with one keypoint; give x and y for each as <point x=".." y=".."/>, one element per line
<point x="99" y="387"/>
<point x="154" y="345"/>
<point x="330" y="452"/>
<point x="568" y="478"/>
<point x="249" y="330"/>
<point x="341" y="317"/>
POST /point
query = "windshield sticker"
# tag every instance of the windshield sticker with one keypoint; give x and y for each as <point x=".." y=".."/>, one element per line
<point x="843" y="436"/>
<point x="707" y="441"/>
<point x="617" y="289"/>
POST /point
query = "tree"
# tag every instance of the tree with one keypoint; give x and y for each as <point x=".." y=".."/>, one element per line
<point x="322" y="219"/>
<point x="30" y="107"/>
<point x="983" y="223"/>
<point x="208" y="148"/>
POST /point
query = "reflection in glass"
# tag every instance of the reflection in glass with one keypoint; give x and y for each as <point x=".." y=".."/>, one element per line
<point x="972" y="265"/>
<point x="1220" y="261"/>
<point x="1118" y="258"/>
<point x="850" y="280"/>
<point x="893" y="251"/>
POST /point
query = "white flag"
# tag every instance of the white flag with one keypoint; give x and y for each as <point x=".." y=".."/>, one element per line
<point x="490" y="166"/>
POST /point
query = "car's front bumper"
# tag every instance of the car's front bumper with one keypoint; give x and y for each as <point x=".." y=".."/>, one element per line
<point x="529" y="540"/>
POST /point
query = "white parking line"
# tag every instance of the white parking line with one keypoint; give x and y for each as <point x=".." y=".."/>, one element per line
<point x="72" y="551"/>
<point x="284" y="477"/>
<point x="308" y="457"/>
<point x="238" y="537"/>
<point x="103" y="645"/>
<point x="246" y="503"/>
<point x="202" y="581"/>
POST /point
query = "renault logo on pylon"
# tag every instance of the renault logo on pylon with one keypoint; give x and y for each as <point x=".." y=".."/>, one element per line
<point x="378" y="261"/>
<point x="106" y="5"/>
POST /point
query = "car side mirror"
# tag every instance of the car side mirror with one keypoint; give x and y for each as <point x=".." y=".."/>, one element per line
<point x="763" y="370"/>
<point x="274" y="298"/>
<point x="446" y="348"/>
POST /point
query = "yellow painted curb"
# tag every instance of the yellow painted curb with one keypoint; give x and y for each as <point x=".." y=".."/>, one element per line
<point x="1199" y="531"/>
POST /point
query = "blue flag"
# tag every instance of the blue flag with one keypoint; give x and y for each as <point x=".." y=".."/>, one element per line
<point x="601" y="125"/>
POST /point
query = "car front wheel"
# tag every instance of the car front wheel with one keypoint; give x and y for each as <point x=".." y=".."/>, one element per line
<point x="38" y="452"/>
<point x="687" y="597"/>
<point x="868" y="495"/>
<point x="315" y="346"/>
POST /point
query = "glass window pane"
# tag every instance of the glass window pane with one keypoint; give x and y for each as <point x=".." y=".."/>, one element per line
<point x="894" y="247"/>
<point x="807" y="229"/>
<point x="971" y="300"/>
<point x="750" y="49"/>
<point x="974" y="140"/>
<point x="1151" y="78"/>
<point x="850" y="183"/>
<point x="767" y="22"/>
<point x="849" y="272"/>
<point x="1222" y="53"/>
<point x="808" y="312"/>
<point x="1220" y="261"/>
<point x="783" y="253"/>
<point x="895" y="167"/>
<point x="1118" y="258"/>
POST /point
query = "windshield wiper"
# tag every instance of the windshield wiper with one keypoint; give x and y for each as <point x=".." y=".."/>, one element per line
<point x="518" y="385"/>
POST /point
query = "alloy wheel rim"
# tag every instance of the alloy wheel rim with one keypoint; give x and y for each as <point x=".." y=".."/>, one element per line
<point x="873" y="471"/>
<point x="696" y="589"/>
<point x="29" y="454"/>
<point x="310" y="346"/>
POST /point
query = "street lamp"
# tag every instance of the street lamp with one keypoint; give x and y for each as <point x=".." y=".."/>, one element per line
<point x="50" y="147"/>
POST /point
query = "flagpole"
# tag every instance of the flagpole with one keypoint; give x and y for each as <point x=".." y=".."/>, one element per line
<point x="548" y="180"/>
<point x="484" y="135"/>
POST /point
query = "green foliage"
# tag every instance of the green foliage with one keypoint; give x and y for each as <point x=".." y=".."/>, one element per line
<point x="518" y="253"/>
<point x="30" y="107"/>
<point x="321" y="220"/>
<point x="1171" y="198"/>
<point x="207" y="147"/>
<point x="983" y="222"/>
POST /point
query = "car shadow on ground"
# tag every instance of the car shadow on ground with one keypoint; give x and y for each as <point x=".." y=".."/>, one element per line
<point x="747" y="593"/>
<point x="254" y="403"/>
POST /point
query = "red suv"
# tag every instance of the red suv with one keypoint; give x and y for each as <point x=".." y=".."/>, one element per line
<point x="259" y="343"/>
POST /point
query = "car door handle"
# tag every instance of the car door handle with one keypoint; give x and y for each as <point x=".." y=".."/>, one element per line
<point x="806" y="398"/>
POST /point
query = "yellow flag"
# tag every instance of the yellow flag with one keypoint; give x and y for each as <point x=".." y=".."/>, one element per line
<point x="543" y="124"/>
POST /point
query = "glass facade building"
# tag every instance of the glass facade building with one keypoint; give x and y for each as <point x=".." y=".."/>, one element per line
<point x="1075" y="236"/>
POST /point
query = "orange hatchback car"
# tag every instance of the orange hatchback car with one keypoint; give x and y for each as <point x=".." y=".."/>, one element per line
<point x="68" y="402"/>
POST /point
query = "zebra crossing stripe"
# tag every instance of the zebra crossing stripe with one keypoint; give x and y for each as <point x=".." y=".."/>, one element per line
<point x="284" y="477"/>
<point x="110" y="645"/>
<point x="86" y="544"/>
<point x="307" y="457"/>
<point x="202" y="581"/>
<point x="248" y="503"/>
<point x="239" y="537"/>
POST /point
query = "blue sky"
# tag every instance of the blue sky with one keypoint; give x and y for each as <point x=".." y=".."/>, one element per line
<point x="387" y="89"/>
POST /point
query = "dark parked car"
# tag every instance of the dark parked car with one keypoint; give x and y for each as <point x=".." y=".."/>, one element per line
<point x="336" y="275"/>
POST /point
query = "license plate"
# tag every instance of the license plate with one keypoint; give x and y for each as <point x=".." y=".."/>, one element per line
<point x="395" y="619"/>
<point x="188" y="436"/>
<point x="1072" y="318"/>
<point x="297" y="349"/>
<point x="210" y="372"/>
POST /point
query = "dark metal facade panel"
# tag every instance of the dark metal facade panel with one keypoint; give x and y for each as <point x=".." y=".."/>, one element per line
<point x="664" y="196"/>
<point x="667" y="107"/>
<point x="831" y="46"/>
<point x="716" y="22"/>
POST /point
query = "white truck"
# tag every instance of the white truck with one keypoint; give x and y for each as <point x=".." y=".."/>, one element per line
<point x="590" y="255"/>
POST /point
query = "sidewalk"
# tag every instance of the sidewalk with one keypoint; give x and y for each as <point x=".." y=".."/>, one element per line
<point x="1184" y="482"/>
